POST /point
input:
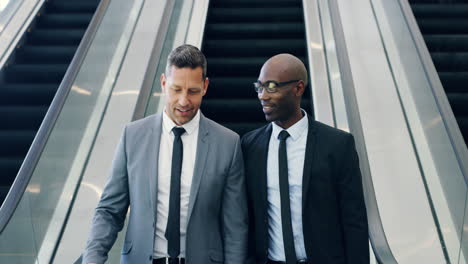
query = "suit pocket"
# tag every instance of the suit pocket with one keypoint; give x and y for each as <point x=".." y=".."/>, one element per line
<point x="216" y="256"/>
<point x="127" y="247"/>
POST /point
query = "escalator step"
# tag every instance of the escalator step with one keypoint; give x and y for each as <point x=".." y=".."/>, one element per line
<point x="234" y="88"/>
<point x="9" y="167"/>
<point x="69" y="21"/>
<point x="49" y="54"/>
<point x="15" y="142"/>
<point x="454" y="81"/>
<point x="27" y="94"/>
<point x="237" y="66"/>
<point x="233" y="110"/>
<point x="260" y="47"/>
<point x="240" y="36"/>
<point x="459" y="103"/>
<point x="463" y="125"/>
<point x="450" y="61"/>
<point x="445" y="43"/>
<point x="443" y="26"/>
<point x="56" y="37"/>
<point x="237" y="110"/>
<point x="3" y="192"/>
<point x="256" y="3"/>
<point x="31" y="73"/>
<point x="22" y="117"/>
<point x="440" y="10"/>
<point x="73" y="6"/>
<point x="242" y="128"/>
<point x="253" y="15"/>
<point x="254" y="31"/>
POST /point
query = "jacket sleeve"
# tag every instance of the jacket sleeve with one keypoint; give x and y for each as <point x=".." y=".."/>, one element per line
<point x="352" y="206"/>
<point x="111" y="211"/>
<point x="234" y="211"/>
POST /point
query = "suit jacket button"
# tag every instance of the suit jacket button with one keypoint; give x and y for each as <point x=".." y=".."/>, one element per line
<point x="150" y="257"/>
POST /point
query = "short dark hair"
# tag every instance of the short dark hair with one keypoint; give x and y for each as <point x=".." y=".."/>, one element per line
<point x="186" y="56"/>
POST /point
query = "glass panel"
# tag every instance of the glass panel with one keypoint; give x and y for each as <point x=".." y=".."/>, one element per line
<point x="175" y="36"/>
<point x="422" y="102"/>
<point x="36" y="224"/>
<point x="333" y="70"/>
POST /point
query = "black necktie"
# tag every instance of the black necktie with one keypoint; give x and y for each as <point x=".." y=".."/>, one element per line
<point x="288" y="238"/>
<point x="173" y="220"/>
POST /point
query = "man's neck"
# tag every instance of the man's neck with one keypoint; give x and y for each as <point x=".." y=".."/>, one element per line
<point x="285" y="124"/>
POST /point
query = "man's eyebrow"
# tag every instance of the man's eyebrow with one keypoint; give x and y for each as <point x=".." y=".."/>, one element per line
<point x="176" y="86"/>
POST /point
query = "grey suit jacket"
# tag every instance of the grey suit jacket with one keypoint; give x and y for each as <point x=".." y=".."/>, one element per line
<point x="217" y="215"/>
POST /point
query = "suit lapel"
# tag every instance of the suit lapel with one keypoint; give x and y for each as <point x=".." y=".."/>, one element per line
<point x="203" y="147"/>
<point x="263" y="146"/>
<point x="153" y="158"/>
<point x="309" y="159"/>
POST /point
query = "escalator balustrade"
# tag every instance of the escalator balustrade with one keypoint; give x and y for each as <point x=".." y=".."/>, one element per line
<point x="32" y="76"/>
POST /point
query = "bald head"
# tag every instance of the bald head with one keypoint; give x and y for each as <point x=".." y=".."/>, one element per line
<point x="285" y="67"/>
<point x="283" y="105"/>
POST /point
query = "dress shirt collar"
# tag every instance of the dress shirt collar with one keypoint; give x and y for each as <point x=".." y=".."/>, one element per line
<point x="189" y="127"/>
<point x="296" y="130"/>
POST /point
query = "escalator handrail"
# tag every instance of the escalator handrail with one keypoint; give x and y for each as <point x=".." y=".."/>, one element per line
<point x="8" y="12"/>
<point x="26" y="171"/>
<point x="458" y="143"/>
<point x="377" y="236"/>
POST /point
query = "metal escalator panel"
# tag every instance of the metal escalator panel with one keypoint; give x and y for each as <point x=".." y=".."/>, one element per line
<point x="430" y="148"/>
<point x="444" y="25"/>
<point x="32" y="76"/>
<point x="239" y="37"/>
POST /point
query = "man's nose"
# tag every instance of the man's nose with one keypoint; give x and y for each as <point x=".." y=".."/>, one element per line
<point x="183" y="100"/>
<point x="263" y="95"/>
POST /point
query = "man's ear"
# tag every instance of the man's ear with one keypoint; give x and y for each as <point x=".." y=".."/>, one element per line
<point x="163" y="82"/>
<point x="205" y="85"/>
<point x="300" y="88"/>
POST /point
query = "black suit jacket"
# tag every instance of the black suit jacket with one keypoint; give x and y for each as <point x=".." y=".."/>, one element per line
<point x="333" y="211"/>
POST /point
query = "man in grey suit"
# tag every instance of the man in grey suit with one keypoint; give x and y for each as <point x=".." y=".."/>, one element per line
<point x="182" y="175"/>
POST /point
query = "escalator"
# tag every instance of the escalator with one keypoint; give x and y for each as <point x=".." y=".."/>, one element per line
<point x="32" y="76"/>
<point x="240" y="35"/>
<point x="444" y="25"/>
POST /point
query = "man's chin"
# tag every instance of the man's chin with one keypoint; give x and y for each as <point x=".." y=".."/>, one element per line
<point x="269" y="118"/>
<point x="183" y="120"/>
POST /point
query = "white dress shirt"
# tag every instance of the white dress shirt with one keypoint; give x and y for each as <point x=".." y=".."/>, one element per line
<point x="189" y="141"/>
<point x="295" y="149"/>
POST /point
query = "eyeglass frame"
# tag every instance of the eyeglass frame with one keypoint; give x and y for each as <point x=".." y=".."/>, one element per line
<point x="271" y="90"/>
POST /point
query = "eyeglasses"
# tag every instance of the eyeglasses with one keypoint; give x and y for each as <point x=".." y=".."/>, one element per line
<point x="270" y="86"/>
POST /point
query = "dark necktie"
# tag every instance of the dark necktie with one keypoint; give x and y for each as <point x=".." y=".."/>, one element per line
<point x="173" y="220"/>
<point x="288" y="238"/>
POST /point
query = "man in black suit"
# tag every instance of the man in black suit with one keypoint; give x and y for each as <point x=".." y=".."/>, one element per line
<point x="304" y="186"/>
